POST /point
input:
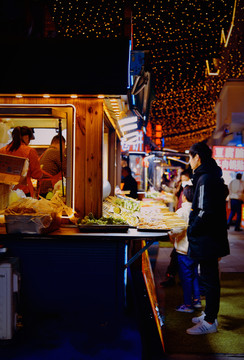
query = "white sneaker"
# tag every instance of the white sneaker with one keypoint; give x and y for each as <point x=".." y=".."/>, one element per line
<point x="198" y="319"/>
<point x="202" y="327"/>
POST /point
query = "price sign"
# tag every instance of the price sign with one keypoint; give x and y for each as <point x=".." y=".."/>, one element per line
<point x="229" y="158"/>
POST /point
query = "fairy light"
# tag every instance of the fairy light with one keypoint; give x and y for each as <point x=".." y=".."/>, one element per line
<point x="181" y="35"/>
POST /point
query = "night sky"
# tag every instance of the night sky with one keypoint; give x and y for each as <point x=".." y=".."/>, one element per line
<point x="180" y="35"/>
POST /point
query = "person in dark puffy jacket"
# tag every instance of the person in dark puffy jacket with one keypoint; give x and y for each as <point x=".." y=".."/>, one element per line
<point x="207" y="231"/>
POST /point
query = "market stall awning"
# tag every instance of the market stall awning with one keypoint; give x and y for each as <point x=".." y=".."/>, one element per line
<point x="64" y="66"/>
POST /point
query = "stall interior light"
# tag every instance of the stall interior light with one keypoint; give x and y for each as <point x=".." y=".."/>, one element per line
<point x="128" y="120"/>
<point x="73" y="96"/>
<point x="46" y="96"/>
<point x="19" y="96"/>
<point x="128" y="124"/>
<point x="114" y="102"/>
<point x="129" y="127"/>
<point x="100" y="96"/>
<point x="115" y="107"/>
<point x="178" y="160"/>
<point x="131" y="141"/>
<point x="129" y="135"/>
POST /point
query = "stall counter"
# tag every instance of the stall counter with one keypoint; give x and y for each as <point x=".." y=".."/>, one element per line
<point x="81" y="278"/>
<point x="73" y="230"/>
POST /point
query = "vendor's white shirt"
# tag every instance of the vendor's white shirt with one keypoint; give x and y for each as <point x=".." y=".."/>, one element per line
<point x="236" y="189"/>
<point x="184" y="212"/>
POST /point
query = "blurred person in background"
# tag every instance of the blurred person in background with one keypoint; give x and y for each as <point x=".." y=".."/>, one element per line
<point x="187" y="267"/>
<point x="236" y="195"/>
<point x="172" y="268"/>
<point x="19" y="146"/>
<point x="185" y="179"/>
<point x="129" y="182"/>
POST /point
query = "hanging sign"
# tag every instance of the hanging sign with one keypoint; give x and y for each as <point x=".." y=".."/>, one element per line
<point x="135" y="145"/>
<point x="229" y="158"/>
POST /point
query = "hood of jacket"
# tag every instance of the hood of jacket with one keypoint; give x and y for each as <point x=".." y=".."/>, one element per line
<point x="209" y="167"/>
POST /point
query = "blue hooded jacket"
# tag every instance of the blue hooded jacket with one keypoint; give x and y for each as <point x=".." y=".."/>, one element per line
<point x="207" y="230"/>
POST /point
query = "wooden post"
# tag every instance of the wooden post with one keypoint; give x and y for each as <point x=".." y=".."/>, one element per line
<point x="88" y="157"/>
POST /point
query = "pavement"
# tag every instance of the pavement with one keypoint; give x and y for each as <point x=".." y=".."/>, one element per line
<point x="231" y="263"/>
<point x="234" y="262"/>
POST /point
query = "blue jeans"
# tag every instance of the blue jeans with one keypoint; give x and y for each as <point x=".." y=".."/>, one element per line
<point x="235" y="206"/>
<point x="189" y="278"/>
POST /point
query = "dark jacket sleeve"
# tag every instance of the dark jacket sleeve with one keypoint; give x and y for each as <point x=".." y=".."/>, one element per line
<point x="203" y="213"/>
<point x="207" y="230"/>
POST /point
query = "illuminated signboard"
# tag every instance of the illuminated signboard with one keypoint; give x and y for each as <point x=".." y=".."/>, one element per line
<point x="151" y="290"/>
<point x="136" y="145"/>
<point x="229" y="158"/>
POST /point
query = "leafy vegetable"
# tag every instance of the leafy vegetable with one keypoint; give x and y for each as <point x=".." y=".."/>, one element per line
<point x="90" y="219"/>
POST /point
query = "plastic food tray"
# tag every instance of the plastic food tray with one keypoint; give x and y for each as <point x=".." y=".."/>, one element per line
<point x="31" y="224"/>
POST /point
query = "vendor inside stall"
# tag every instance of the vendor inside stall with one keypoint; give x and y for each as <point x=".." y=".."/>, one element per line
<point x="53" y="164"/>
<point x="19" y="146"/>
<point x="129" y="183"/>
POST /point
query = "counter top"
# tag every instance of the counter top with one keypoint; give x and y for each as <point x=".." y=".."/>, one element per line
<point x="74" y="232"/>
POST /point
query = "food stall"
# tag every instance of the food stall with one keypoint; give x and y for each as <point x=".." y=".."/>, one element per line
<point x="80" y="274"/>
<point x="79" y="277"/>
<point x="62" y="268"/>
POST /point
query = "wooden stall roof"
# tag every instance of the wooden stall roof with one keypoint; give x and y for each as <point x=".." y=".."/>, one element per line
<point x="64" y="66"/>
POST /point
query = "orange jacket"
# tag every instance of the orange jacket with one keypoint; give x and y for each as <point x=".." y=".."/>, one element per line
<point x="34" y="165"/>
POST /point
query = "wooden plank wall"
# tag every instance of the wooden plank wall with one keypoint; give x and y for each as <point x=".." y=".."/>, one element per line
<point x="88" y="149"/>
<point x="88" y="159"/>
<point x="112" y="160"/>
<point x="118" y="161"/>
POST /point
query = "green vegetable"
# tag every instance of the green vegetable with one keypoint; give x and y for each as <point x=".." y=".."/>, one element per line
<point x="90" y="219"/>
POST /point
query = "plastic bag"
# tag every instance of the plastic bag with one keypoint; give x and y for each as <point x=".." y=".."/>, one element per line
<point x="16" y="195"/>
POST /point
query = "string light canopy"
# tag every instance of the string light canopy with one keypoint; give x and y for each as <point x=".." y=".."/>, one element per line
<point x="188" y="40"/>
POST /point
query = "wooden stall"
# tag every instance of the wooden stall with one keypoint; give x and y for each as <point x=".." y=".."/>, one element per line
<point x="81" y="87"/>
<point x="67" y="273"/>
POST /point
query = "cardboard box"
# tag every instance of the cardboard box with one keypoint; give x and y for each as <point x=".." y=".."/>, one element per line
<point x="12" y="169"/>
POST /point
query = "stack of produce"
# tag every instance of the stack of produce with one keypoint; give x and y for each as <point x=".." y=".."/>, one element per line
<point x="155" y="216"/>
<point x="165" y="196"/>
<point x="127" y="209"/>
<point x="104" y="220"/>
